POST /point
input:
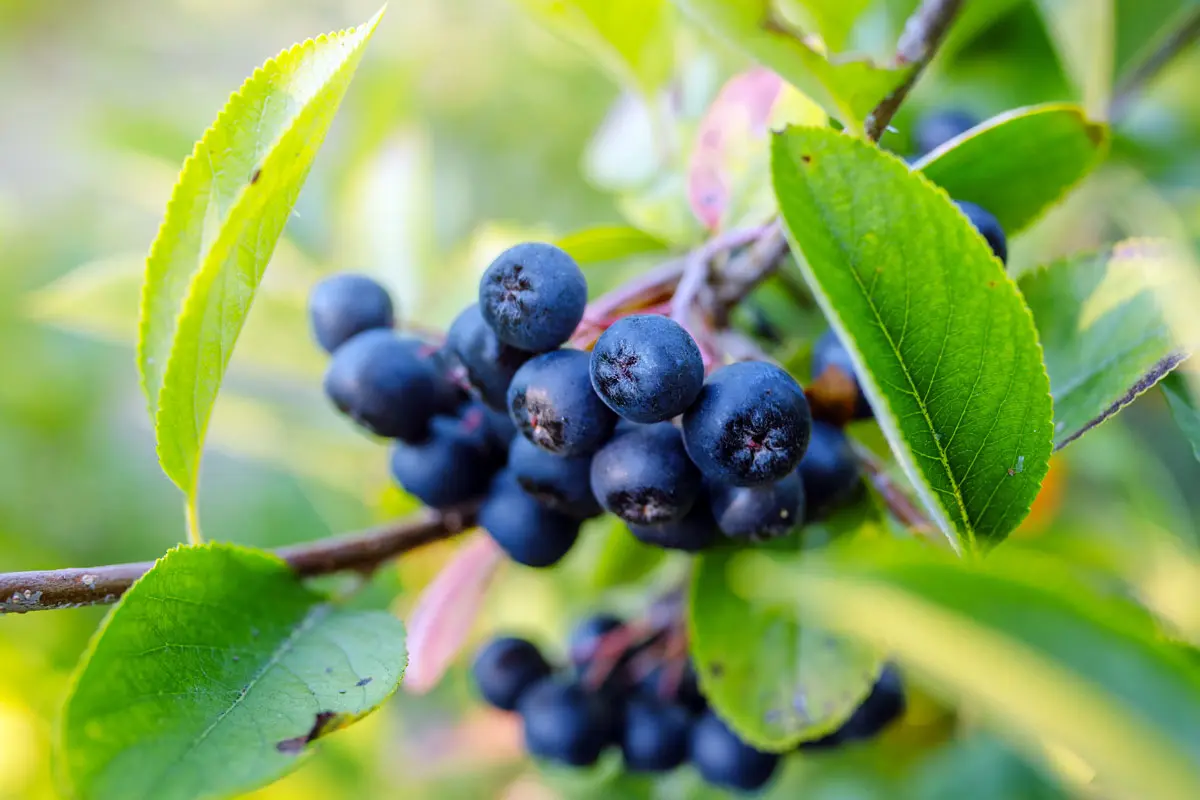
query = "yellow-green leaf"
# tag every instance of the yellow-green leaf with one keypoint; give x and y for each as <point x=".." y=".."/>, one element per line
<point x="847" y="89"/>
<point x="228" y="209"/>
<point x="603" y="243"/>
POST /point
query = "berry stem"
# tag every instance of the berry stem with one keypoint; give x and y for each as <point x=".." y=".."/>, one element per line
<point x="362" y="552"/>
<point x="896" y="499"/>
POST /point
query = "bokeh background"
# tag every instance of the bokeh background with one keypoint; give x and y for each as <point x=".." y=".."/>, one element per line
<point x="470" y="126"/>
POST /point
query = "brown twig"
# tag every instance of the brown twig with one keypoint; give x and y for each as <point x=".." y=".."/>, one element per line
<point x="899" y="504"/>
<point x="923" y="34"/>
<point x="363" y="552"/>
<point x="1175" y="41"/>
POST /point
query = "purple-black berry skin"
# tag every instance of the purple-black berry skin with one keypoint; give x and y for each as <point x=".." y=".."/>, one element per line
<point x="489" y="363"/>
<point x="647" y="368"/>
<point x="566" y="723"/>
<point x="759" y="513"/>
<point x="505" y="668"/>
<point x="645" y="477"/>
<point x="936" y="128"/>
<point x="988" y="226"/>
<point x="453" y="466"/>
<point x="527" y="531"/>
<point x="561" y="483"/>
<point x="533" y="296"/>
<point x="749" y="426"/>
<point x="829" y="470"/>
<point x="723" y="759"/>
<point x="552" y="403"/>
<point x="695" y="532"/>
<point x="344" y="305"/>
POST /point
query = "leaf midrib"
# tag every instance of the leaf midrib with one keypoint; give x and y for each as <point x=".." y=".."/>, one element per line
<point x="310" y="620"/>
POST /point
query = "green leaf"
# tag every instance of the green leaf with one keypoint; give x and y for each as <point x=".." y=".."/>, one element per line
<point x="618" y="558"/>
<point x="777" y="680"/>
<point x="610" y="243"/>
<point x="846" y="89"/>
<point x="832" y="19"/>
<point x="233" y="197"/>
<point x="1020" y="163"/>
<point x="1098" y="362"/>
<point x="1035" y="648"/>
<point x="632" y="39"/>
<point x="213" y="676"/>
<point x="944" y="347"/>
<point x="1083" y="33"/>
<point x="1184" y="410"/>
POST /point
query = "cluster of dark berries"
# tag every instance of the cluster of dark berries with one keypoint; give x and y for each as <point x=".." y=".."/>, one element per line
<point x="651" y="710"/>
<point x="633" y="428"/>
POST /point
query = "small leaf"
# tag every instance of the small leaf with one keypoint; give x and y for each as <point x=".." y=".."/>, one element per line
<point x="944" y="347"/>
<point x="1083" y="33"/>
<point x="1020" y="163"/>
<point x="846" y="89"/>
<point x="632" y="39"/>
<point x="1024" y="639"/>
<point x="777" y="680"/>
<point x="213" y="676"/>
<point x="233" y="197"/>
<point x="609" y="243"/>
<point x="1184" y="410"/>
<point x="446" y="611"/>
<point x="1097" y="365"/>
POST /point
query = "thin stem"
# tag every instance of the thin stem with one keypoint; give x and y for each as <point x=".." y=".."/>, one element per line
<point x="1177" y="39"/>
<point x="895" y="498"/>
<point x="191" y="515"/>
<point x="923" y="34"/>
<point x="698" y="264"/>
<point x="362" y="552"/>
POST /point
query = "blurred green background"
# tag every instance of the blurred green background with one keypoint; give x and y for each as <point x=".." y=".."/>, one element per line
<point x="469" y="126"/>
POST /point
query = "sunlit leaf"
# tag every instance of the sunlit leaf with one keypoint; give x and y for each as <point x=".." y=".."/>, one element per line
<point x="1084" y="35"/>
<point x="215" y="674"/>
<point x="944" y="347"/>
<point x="832" y="19"/>
<point x="1097" y="365"/>
<point x="1018" y="164"/>
<point x="632" y="39"/>
<point x="778" y="680"/>
<point x="847" y="89"/>
<point x="1022" y="638"/>
<point x="609" y="243"/>
<point x="234" y="195"/>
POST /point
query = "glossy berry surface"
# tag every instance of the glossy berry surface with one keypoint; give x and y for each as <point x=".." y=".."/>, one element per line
<point x="529" y="532"/>
<point x="936" y="128"/>
<point x="758" y="513"/>
<point x="647" y="368"/>
<point x="533" y="296"/>
<point x="453" y="466"/>
<point x="390" y="385"/>
<point x="695" y="532"/>
<point x="566" y="723"/>
<point x="552" y="403"/>
<point x="344" y="305"/>
<point x="654" y="736"/>
<point x="586" y="635"/>
<point x="831" y="360"/>
<point x="561" y="483"/>
<point x="988" y="226"/>
<point x="489" y="363"/>
<point x="724" y="760"/>
<point x="749" y="426"/>
<point x="645" y="477"/>
<point x="828" y="470"/>
<point x="505" y="668"/>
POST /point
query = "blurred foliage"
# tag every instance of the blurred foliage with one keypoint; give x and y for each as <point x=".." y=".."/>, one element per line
<point x="469" y="126"/>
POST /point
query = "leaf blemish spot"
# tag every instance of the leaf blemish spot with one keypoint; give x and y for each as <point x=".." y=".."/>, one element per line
<point x="321" y="726"/>
<point x="257" y="174"/>
<point x="363" y="682"/>
<point x="806" y="158"/>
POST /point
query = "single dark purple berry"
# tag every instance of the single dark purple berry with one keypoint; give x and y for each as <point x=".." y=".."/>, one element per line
<point x="552" y="403"/>
<point x="566" y="723"/>
<point x="489" y="363"/>
<point x="749" y="426"/>
<point x="533" y="296"/>
<point x="829" y="470"/>
<point x="759" y="513"/>
<point x="453" y="466"/>
<point x="695" y="532"/>
<point x="647" y="368"/>
<point x="655" y="736"/>
<point x="724" y="760"/>
<point x="645" y="476"/>
<point x="527" y="531"/>
<point x="561" y="483"/>
<point x="344" y="305"/>
<point x="505" y="668"/>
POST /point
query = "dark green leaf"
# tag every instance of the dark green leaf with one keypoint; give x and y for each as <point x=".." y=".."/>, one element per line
<point x="609" y="243"/>
<point x="775" y="679"/>
<point x="846" y="89"/>
<point x="227" y="211"/>
<point x="1099" y="361"/>
<point x="213" y="676"/>
<point x="945" y="348"/>
<point x="1184" y="410"/>
<point x="1036" y="649"/>
<point x="1020" y="163"/>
